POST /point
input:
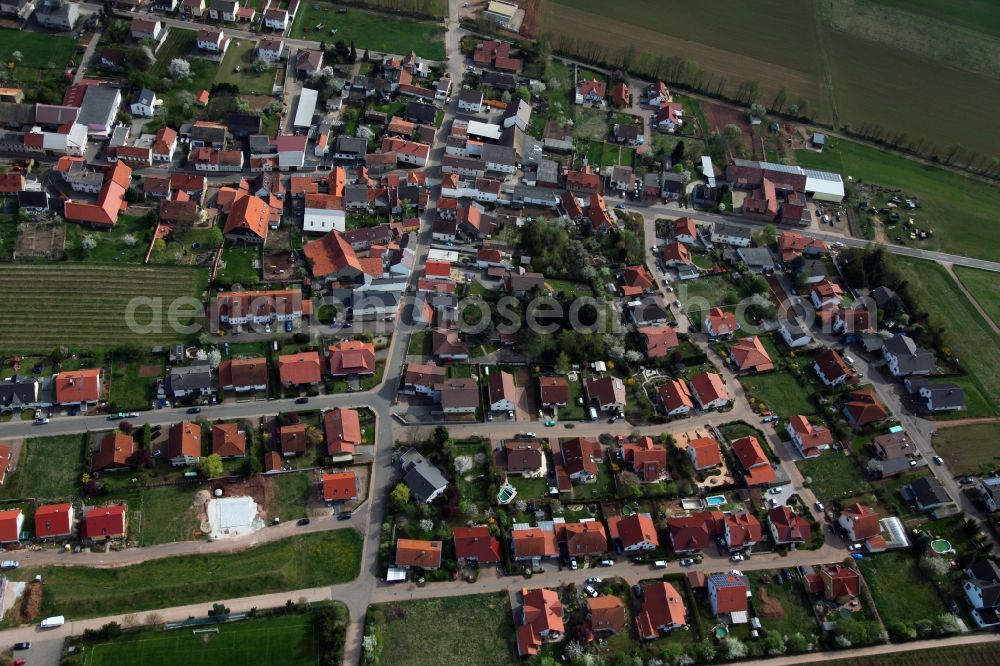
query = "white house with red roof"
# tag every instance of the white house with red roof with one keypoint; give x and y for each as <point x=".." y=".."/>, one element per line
<point x="809" y="439"/>
<point x="719" y="322"/>
<point x="675" y="397"/>
<point x="729" y="595"/>
<point x="826" y="294"/>
<point x="742" y="530"/>
<point x="709" y="390"/>
<point x="787" y="527"/>
<point x="637" y="533"/>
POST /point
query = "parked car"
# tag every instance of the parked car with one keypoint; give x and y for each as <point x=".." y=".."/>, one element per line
<point x="596" y="580"/>
<point x="572" y="564"/>
<point x="344" y="515"/>
<point x="853" y="547"/>
<point x="302" y="521"/>
<point x="660" y="564"/>
<point x="938" y="460"/>
<point x="820" y="507"/>
<point x="736" y="557"/>
<point x="776" y="490"/>
<point x="41" y="420"/>
<point x="607" y="563"/>
<point x="194" y="410"/>
<point x="26" y="645"/>
<point x="686" y="562"/>
<point x="301" y="401"/>
<point x="857" y="556"/>
<point x="9" y="564"/>
<point x="591" y="592"/>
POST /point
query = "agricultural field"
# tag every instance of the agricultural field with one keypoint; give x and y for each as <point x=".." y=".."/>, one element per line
<point x="869" y="52"/>
<point x="832" y="476"/>
<point x="983" y="287"/>
<point x="367" y="30"/>
<point x="956" y="655"/>
<point x="285" y="639"/>
<point x="959" y="209"/>
<point x="969" y="449"/>
<point x="966" y="333"/>
<point x="85" y="306"/>
<point x="475" y="629"/>
<point x="322" y="558"/>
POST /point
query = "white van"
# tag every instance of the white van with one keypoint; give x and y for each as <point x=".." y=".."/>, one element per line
<point x="53" y="622"/>
<point x="593" y="413"/>
<point x="660" y="564"/>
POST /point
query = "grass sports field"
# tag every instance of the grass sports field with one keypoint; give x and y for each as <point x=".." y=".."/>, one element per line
<point x="311" y="560"/>
<point x="959" y="209"/>
<point x="84" y="306"/>
<point x="279" y="640"/>
<point x="368" y="30"/>
<point x="869" y="52"/>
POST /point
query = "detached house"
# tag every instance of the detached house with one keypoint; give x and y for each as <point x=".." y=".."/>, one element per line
<point x="184" y="444"/>
<point x="863" y="407"/>
<point x="78" y="388"/>
<point x="826" y="294"/>
<point x="340" y="487"/>
<point x="719" y="322"/>
<point x="580" y="459"/>
<point x="553" y="392"/>
<point x="500" y="387"/>
<point x="810" y="440"/>
<point x="982" y="590"/>
<point x="143" y="103"/>
<point x="861" y="523"/>
<point x="342" y="429"/>
<point x="675" y="397"/>
<point x="741" y="530"/>
<point x="606" y="614"/>
<point x="757" y="469"/>
<point x="663" y="611"/>
<point x="709" y="390"/>
<point x="475" y="545"/>
<point x="103" y="522"/>
<point x="729" y="596"/>
<point x="522" y="457"/>
<point x="695" y="531"/>
<point x="533" y="544"/>
<point x="832" y="369"/>
<point x="586" y="538"/>
<point x="418" y="554"/>
<point x="591" y="91"/>
<point x="606" y="393"/>
<point x="787" y="527"/>
<point x="541" y="618"/>
<point x="114" y="453"/>
<point x="243" y="374"/>
<point x="301" y="369"/>
<point x="704" y="453"/>
<point x="636" y="533"/>
<point x="228" y="441"/>
<point x="749" y="355"/>
<point x="54" y="521"/>
<point x="905" y="357"/>
<point x="223" y="10"/>
<point x="424" y="480"/>
<point x="647" y="459"/>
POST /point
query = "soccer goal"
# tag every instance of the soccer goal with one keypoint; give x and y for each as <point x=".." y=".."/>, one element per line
<point x="210" y="630"/>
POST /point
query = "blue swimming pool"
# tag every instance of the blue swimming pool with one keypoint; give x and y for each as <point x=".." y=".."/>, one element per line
<point x="715" y="500"/>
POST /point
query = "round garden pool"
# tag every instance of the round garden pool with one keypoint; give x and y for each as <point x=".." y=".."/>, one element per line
<point x="942" y="547"/>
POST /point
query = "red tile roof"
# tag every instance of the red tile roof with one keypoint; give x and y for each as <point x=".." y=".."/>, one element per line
<point x="676" y="251"/>
<point x="243" y="372"/>
<point x="695" y="532"/>
<point x="585" y="538"/>
<point x="343" y="430"/>
<point x="708" y="386"/>
<point x="78" y="386"/>
<point x="293" y="438"/>
<point x="477" y="543"/>
<point x="228" y="440"/>
<point x="749" y="354"/>
<point x="742" y="528"/>
<point x="864" y="519"/>
<point x="731" y="593"/>
<point x="607" y="613"/>
<point x="352" y="357"/>
<point x="674" y="394"/>
<point x="659" y="340"/>
<point x="637" y="528"/>
<point x="114" y="452"/>
<point x="332" y="254"/>
<point x="301" y="368"/>
<point x="706" y="452"/>
<point x="722" y="321"/>
<point x="249" y="213"/>
<point x="757" y="468"/>
<point x="418" y="553"/>
<point x="553" y="390"/>
<point x="662" y="606"/>
<point x="865" y="407"/>
<point x="103" y="521"/>
<point x="8" y="525"/>
<point x="647" y="459"/>
<point x="341" y="486"/>
<point x="184" y="440"/>
<point x="534" y="542"/>
<point x="53" y="520"/>
<point x="789" y="526"/>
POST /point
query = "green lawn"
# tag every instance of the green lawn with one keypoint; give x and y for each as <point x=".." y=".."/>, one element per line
<point x="44" y="58"/>
<point x="167" y="515"/>
<point x="965" y="331"/>
<point x="476" y="629"/>
<point x="285" y="639"/>
<point x="322" y="558"/>
<point x="574" y="410"/>
<point x="85" y="306"/>
<point x="8" y="237"/>
<point x="969" y="449"/>
<point x="833" y="475"/>
<point x="798" y="613"/>
<point x="703" y="293"/>
<point x="901" y="591"/>
<point x="128" y="390"/>
<point x="291" y="496"/>
<point x="570" y="287"/>
<point x="528" y="489"/>
<point x="420" y="343"/>
<point x="603" y="154"/>
<point x="241" y="53"/>
<point x="378" y="32"/>
<point x="781" y="392"/>
<point x="239" y="266"/>
<point x="181" y="43"/>
<point x="49" y="469"/>
<point x="602" y="487"/>
<point x="960" y="210"/>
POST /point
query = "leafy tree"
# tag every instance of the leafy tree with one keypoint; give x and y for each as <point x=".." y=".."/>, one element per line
<point x="219" y="610"/>
<point x="399" y="498"/>
<point x="677" y="155"/>
<point x="440" y="436"/>
<point x="211" y="466"/>
<point x="178" y="69"/>
<point x="562" y="363"/>
<point x="314" y="436"/>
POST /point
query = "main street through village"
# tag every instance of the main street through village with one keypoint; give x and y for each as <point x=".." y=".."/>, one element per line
<point x="392" y="427"/>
